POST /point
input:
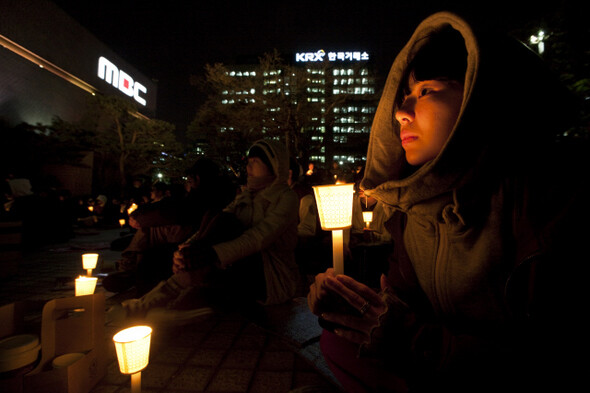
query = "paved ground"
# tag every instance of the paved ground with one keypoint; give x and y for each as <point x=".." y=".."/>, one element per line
<point x="221" y="353"/>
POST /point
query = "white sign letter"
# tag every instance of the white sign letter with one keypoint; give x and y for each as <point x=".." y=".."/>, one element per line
<point x="108" y="72"/>
<point x="125" y="83"/>
<point x="137" y="88"/>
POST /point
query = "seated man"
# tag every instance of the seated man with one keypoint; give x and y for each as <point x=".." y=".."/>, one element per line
<point x="165" y="223"/>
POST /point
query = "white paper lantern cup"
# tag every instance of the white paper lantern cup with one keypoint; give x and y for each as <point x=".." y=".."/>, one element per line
<point x="334" y="205"/>
<point x="85" y="285"/>
<point x="89" y="261"/>
<point x="368" y="217"/>
<point x="133" y="348"/>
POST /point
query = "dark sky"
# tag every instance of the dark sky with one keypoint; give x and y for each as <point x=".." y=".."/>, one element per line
<point x="170" y="40"/>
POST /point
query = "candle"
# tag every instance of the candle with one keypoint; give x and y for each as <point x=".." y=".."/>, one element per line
<point x="89" y="262"/>
<point x="132" y="208"/>
<point x="335" y="210"/>
<point x="122" y="222"/>
<point x="133" y="351"/>
<point x="368" y="217"/>
<point x="85" y="285"/>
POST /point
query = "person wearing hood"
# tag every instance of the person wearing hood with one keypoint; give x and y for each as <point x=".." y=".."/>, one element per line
<point x="487" y="213"/>
<point x="243" y="256"/>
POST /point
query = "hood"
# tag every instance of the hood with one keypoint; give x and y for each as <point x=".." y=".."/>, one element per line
<point x="511" y="104"/>
<point x="278" y="156"/>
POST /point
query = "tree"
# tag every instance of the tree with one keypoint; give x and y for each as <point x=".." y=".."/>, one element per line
<point x="125" y="143"/>
<point x="268" y="100"/>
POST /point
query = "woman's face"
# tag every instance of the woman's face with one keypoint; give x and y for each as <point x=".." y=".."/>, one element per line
<point x="257" y="168"/>
<point x="427" y="117"/>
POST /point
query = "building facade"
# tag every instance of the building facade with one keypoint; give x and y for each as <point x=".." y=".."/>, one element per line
<point x="49" y="64"/>
<point x="339" y="94"/>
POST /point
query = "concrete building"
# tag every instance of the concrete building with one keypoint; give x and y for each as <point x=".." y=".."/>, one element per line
<point x="341" y="84"/>
<point x="49" y="64"/>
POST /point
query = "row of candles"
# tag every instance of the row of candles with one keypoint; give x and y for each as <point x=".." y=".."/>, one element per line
<point x="132" y="344"/>
<point x="122" y="221"/>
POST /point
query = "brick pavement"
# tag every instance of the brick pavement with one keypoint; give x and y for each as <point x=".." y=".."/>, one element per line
<point x="220" y="353"/>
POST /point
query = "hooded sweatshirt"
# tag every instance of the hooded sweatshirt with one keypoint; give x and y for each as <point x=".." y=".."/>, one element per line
<point x="480" y="212"/>
<point x="271" y="216"/>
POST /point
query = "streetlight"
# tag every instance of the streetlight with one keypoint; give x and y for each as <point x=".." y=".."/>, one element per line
<point x="539" y="41"/>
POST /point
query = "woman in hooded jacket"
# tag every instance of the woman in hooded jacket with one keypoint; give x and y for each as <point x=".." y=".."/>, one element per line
<point x="241" y="257"/>
<point x="486" y="213"/>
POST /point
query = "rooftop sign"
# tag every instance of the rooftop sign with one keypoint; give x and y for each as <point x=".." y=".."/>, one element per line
<point x="108" y="72"/>
<point x="319" y="56"/>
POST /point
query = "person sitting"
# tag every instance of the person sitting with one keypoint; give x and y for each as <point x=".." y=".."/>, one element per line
<point x="242" y="256"/>
<point x="165" y="223"/>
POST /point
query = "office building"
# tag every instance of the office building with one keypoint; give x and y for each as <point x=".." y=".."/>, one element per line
<point x="339" y="91"/>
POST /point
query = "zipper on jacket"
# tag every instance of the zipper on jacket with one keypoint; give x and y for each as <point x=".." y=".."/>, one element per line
<point x="440" y="267"/>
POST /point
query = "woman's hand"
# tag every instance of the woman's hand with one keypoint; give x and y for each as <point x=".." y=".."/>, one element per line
<point x="355" y="326"/>
<point x="180" y="260"/>
<point x="318" y="295"/>
<point x="192" y="256"/>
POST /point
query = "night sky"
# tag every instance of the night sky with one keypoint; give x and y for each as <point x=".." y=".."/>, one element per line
<point x="170" y="40"/>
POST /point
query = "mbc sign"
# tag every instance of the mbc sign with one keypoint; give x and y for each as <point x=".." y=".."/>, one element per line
<point x="108" y="72"/>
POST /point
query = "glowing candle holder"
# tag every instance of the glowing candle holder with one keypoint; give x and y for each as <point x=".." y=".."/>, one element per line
<point x="133" y="352"/>
<point x="335" y="209"/>
<point x="132" y="208"/>
<point x="90" y="208"/>
<point x="368" y="218"/>
<point x="122" y="222"/>
<point x="85" y="285"/>
<point x="89" y="262"/>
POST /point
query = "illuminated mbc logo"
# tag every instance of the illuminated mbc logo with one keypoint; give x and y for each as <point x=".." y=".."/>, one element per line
<point x="108" y="72"/>
<point x="332" y="56"/>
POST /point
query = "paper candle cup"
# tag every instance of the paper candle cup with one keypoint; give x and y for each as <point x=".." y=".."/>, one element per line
<point x="334" y="205"/>
<point x="133" y="348"/>
<point x="368" y="217"/>
<point x="89" y="261"/>
<point x="85" y="285"/>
